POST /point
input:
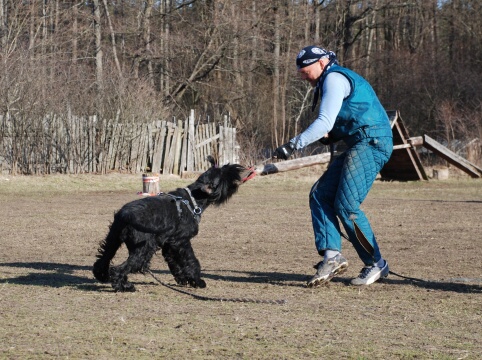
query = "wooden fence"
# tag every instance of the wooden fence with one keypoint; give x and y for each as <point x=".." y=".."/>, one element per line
<point x="90" y="145"/>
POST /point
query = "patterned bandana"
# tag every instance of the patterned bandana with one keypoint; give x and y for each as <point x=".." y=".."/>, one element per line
<point x="310" y="54"/>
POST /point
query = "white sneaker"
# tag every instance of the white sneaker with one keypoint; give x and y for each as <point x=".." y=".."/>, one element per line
<point x="327" y="270"/>
<point x="369" y="274"/>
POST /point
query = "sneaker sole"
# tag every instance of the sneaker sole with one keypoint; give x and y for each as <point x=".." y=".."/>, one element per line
<point x="321" y="281"/>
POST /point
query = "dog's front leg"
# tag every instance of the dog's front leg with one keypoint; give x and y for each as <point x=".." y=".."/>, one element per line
<point x="172" y="256"/>
<point x="192" y="267"/>
<point x="183" y="264"/>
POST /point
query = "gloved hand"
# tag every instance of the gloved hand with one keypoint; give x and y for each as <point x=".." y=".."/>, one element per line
<point x="284" y="151"/>
<point x="326" y="140"/>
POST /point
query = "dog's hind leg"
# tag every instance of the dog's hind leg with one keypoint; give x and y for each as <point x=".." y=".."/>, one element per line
<point x="107" y="250"/>
<point x="140" y="254"/>
<point x="184" y="265"/>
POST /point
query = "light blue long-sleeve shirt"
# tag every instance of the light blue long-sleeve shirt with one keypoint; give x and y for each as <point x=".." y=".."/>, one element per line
<point x="336" y="87"/>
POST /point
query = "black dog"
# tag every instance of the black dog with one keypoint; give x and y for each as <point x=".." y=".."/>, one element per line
<point x="168" y="222"/>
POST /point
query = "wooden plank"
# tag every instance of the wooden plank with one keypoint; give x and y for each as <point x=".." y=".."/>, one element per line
<point x="190" y="143"/>
<point x="208" y="147"/>
<point x="451" y="157"/>
<point x="199" y="150"/>
<point x="416" y="141"/>
<point x="294" y="164"/>
<point x="114" y="142"/>
<point x="203" y="149"/>
<point x="168" y="154"/>
<point x="214" y="145"/>
<point x="131" y="137"/>
<point x="177" y="154"/>
<point x="195" y="149"/>
<point x="236" y="149"/>
<point x="143" y="148"/>
<point x="412" y="154"/>
<point x="172" y="155"/>
<point x="392" y="116"/>
<point x="221" y="145"/>
<point x="225" y="141"/>
<point x="140" y="149"/>
<point x="110" y="161"/>
<point x="74" y="143"/>
<point x="149" y="147"/>
<point x="90" y="146"/>
<point x="184" y="146"/>
<point x="163" y="145"/>
<point x="159" y="147"/>
<point x="138" y="144"/>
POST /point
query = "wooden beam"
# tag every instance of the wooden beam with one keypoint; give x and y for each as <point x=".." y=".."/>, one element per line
<point x="416" y="141"/>
<point x="288" y="165"/>
<point x="452" y="157"/>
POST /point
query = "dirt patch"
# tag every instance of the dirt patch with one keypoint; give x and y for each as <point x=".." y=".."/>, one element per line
<point x="259" y="246"/>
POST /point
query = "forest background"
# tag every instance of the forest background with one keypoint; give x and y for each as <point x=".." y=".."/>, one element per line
<point x="141" y="60"/>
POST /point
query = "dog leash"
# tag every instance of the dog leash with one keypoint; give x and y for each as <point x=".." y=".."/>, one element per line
<point x="209" y="298"/>
<point x="390" y="271"/>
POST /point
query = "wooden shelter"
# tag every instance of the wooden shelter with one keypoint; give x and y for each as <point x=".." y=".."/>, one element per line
<point x="405" y="163"/>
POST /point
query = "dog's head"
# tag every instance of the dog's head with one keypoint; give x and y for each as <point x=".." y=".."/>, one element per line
<point x="218" y="184"/>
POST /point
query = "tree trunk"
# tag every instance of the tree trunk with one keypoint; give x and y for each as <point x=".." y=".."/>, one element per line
<point x="112" y="37"/>
<point x="147" y="40"/>
<point x="276" y="75"/>
<point x="75" y="33"/>
<point x="3" y="23"/>
<point x="99" y="71"/>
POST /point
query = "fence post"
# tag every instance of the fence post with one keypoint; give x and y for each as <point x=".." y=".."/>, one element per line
<point x="190" y="142"/>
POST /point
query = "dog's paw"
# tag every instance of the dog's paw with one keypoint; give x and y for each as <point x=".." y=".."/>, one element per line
<point x="181" y="281"/>
<point x="198" y="283"/>
<point x="125" y="287"/>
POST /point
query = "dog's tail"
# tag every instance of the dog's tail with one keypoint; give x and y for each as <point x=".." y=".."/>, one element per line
<point x="107" y="250"/>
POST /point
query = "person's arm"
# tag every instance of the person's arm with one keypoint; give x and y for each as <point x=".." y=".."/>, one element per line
<point x="335" y="88"/>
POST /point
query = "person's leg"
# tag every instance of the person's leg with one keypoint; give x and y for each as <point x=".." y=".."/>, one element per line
<point x="322" y="205"/>
<point x="362" y="164"/>
<point x="326" y="226"/>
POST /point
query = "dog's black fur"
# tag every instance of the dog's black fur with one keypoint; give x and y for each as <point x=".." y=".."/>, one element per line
<point x="166" y="222"/>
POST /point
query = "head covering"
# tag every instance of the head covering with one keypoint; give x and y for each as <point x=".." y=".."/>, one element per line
<point x="310" y="54"/>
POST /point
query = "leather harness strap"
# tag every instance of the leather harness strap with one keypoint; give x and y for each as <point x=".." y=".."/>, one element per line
<point x="194" y="209"/>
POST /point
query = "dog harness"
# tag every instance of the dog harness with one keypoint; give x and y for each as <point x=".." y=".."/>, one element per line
<point x="196" y="211"/>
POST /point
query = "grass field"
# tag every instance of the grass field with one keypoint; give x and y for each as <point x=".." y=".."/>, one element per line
<point x="258" y="246"/>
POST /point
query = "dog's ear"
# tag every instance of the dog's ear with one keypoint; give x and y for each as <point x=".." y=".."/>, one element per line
<point x="211" y="160"/>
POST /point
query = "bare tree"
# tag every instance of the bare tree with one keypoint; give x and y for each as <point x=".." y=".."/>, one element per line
<point x="99" y="66"/>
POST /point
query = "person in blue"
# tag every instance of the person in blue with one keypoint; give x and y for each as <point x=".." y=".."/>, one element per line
<point x="349" y="111"/>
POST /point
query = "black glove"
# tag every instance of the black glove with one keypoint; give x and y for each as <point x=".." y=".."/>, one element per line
<point x="284" y="151"/>
<point x="326" y="140"/>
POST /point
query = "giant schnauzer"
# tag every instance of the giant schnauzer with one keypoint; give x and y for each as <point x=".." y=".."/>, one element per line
<point x="167" y="221"/>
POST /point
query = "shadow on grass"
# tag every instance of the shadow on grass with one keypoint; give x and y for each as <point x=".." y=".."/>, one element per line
<point x="53" y="275"/>
<point x="438" y="285"/>
<point x="392" y="200"/>
<point x="62" y="275"/>
<point x="297" y="280"/>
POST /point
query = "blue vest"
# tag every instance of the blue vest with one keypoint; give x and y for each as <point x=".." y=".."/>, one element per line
<point x="361" y="112"/>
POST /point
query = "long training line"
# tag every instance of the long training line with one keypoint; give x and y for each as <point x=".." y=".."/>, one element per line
<point x="390" y="271"/>
<point x="209" y="298"/>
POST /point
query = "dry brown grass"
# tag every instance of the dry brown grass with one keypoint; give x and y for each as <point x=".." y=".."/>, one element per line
<point x="259" y="246"/>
